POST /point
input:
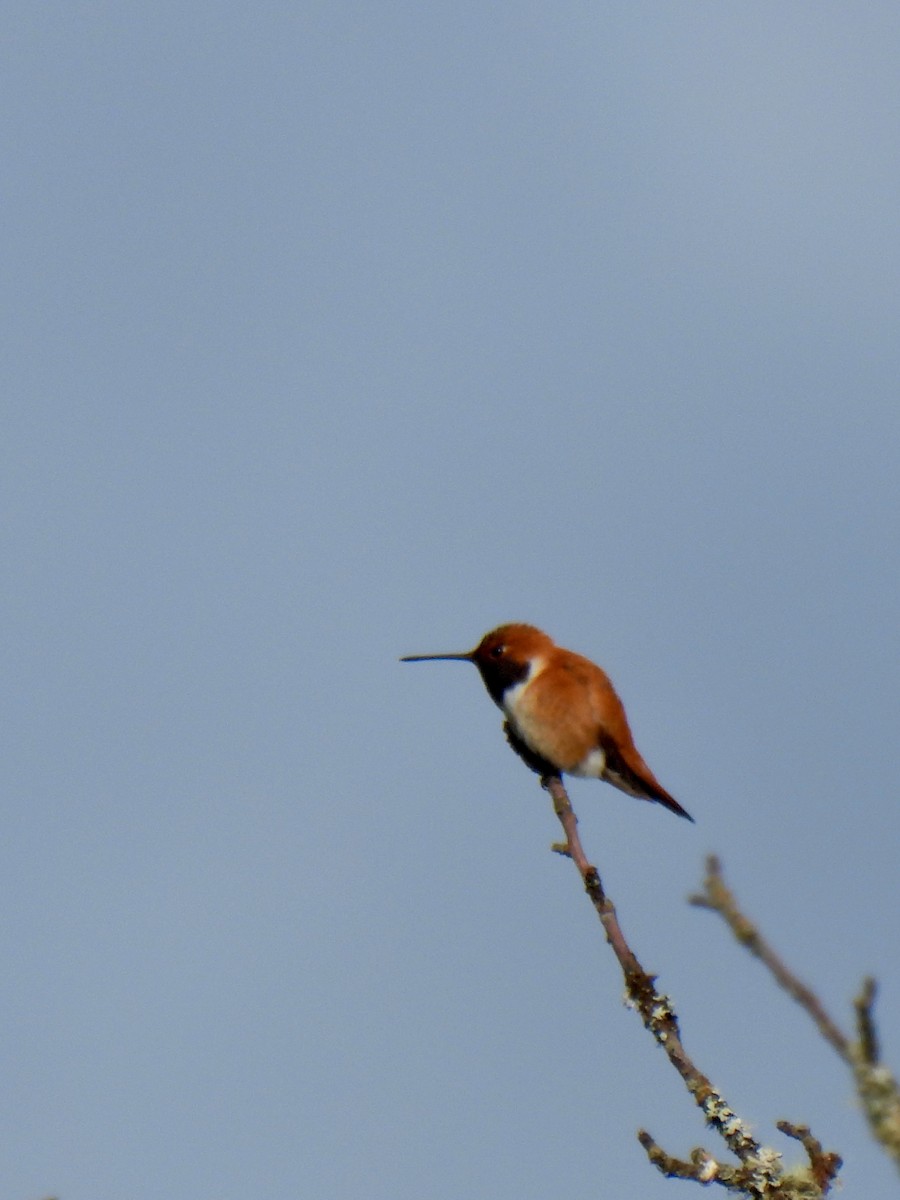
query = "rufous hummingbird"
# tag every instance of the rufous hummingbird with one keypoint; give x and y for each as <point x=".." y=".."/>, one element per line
<point x="562" y="711"/>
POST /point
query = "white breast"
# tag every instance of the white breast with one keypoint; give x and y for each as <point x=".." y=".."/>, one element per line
<point x="592" y="766"/>
<point x="513" y="698"/>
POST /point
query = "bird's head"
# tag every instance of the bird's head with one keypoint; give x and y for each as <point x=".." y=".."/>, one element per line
<point x="503" y="657"/>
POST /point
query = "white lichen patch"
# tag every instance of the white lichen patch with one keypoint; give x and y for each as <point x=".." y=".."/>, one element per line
<point x="662" y="1009"/>
<point x="708" y="1170"/>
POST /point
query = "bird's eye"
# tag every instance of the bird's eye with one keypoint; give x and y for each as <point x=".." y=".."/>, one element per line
<point x="497" y="651"/>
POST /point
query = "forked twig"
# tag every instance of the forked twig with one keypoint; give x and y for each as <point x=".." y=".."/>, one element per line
<point x="876" y="1086"/>
<point x="759" y="1172"/>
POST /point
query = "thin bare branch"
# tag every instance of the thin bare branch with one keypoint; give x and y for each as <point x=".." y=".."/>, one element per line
<point x="700" y="1167"/>
<point x="865" y="1022"/>
<point x="797" y="1183"/>
<point x="760" y="1173"/>
<point x="823" y="1165"/>
<point x="876" y="1086"/>
<point x="718" y="897"/>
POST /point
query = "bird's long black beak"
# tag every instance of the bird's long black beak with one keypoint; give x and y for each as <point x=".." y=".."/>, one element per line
<point x="438" y="657"/>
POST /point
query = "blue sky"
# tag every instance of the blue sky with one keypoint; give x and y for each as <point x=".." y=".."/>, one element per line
<point x="340" y="332"/>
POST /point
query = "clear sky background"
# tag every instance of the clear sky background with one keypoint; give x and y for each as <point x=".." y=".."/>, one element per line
<point x="338" y="331"/>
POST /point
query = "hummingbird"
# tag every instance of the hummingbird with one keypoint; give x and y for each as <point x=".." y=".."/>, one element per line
<point x="562" y="712"/>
